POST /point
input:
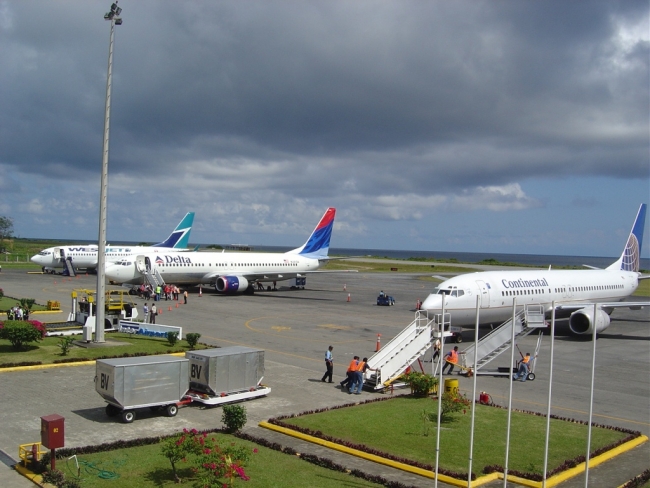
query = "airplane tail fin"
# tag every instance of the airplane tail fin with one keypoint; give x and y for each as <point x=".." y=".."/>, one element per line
<point x="181" y="235"/>
<point x="630" y="259"/>
<point x="318" y="244"/>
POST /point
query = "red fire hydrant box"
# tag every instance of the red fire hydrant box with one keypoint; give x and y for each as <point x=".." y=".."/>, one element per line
<point x="52" y="432"/>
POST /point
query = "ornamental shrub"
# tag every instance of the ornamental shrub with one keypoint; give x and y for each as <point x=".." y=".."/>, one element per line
<point x="20" y="333"/>
<point x="192" y="339"/>
<point x="234" y="417"/>
<point x="172" y="337"/>
<point x="421" y="384"/>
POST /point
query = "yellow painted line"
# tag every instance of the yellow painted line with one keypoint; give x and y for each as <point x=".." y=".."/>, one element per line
<point x="44" y="312"/>
<point x="66" y="365"/>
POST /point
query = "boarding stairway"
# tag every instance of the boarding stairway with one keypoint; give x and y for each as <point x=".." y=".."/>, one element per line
<point x="490" y="346"/>
<point x="400" y="352"/>
<point x="68" y="269"/>
<point x="154" y="278"/>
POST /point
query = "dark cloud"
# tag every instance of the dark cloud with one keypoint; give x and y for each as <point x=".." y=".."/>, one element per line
<point x="258" y="116"/>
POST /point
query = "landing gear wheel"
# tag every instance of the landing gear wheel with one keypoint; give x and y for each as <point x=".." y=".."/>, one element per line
<point x="112" y="410"/>
<point x="171" y="410"/>
<point x="128" y="416"/>
<point x="531" y="376"/>
<point x="459" y="339"/>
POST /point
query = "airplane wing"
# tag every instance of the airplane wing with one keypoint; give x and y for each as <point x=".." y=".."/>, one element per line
<point x="605" y="305"/>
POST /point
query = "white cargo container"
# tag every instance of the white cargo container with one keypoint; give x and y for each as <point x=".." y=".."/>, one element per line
<point x="227" y="374"/>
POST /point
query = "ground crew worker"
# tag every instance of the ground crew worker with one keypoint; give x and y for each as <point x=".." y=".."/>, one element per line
<point x="524" y="366"/>
<point x="329" y="364"/>
<point x="436" y="349"/>
<point x="185" y="297"/>
<point x="350" y="373"/>
<point x="450" y="360"/>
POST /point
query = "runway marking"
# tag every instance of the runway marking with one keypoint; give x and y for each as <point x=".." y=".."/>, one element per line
<point x="280" y="328"/>
<point x="336" y="327"/>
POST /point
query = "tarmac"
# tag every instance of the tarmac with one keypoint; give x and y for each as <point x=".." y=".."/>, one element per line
<point x="295" y="327"/>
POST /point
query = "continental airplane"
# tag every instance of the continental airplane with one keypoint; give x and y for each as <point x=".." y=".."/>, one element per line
<point x="574" y="291"/>
<point x="233" y="272"/>
<point x="85" y="256"/>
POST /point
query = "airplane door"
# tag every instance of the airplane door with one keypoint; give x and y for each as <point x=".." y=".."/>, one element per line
<point x="567" y="291"/>
<point x="141" y="263"/>
<point x="484" y="289"/>
<point x="59" y="254"/>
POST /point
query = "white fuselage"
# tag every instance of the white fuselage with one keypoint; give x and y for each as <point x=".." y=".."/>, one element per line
<point x="498" y="289"/>
<point x="85" y="256"/>
<point x="205" y="267"/>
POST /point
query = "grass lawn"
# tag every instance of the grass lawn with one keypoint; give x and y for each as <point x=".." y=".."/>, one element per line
<point x="395" y="426"/>
<point x="145" y="466"/>
<point x="47" y="351"/>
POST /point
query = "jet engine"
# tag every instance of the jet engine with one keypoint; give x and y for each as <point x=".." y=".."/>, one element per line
<point x="582" y="321"/>
<point x="231" y="284"/>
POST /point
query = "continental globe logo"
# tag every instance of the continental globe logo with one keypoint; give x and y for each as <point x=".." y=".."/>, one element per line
<point x="631" y="255"/>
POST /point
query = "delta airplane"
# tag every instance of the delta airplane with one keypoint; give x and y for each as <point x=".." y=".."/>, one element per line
<point x="574" y="291"/>
<point x="85" y="256"/>
<point x="233" y="272"/>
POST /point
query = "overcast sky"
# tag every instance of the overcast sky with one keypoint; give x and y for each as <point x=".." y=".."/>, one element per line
<point x="496" y="126"/>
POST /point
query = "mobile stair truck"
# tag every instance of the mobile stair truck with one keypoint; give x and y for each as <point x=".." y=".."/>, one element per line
<point x="156" y="382"/>
<point x="226" y="375"/>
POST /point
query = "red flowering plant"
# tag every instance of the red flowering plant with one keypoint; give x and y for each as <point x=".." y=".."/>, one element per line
<point x="453" y="402"/>
<point x="212" y="463"/>
<point x="19" y="332"/>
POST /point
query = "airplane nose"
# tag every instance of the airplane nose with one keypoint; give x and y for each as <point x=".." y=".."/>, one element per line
<point x="35" y="259"/>
<point x="432" y="305"/>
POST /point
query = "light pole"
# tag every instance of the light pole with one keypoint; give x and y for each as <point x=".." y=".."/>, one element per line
<point x="114" y="17"/>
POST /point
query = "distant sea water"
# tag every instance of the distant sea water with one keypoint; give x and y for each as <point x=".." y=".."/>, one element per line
<point x="471" y="257"/>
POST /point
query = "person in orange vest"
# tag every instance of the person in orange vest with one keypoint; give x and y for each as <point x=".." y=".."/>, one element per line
<point x="451" y="359"/>
<point x="524" y="366"/>
<point x="349" y="380"/>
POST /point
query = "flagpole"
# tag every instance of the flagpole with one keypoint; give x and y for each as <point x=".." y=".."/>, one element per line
<point x="550" y="387"/>
<point x="471" y="436"/>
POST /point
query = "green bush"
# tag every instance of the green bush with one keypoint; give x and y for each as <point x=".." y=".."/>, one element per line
<point x="27" y="303"/>
<point x="65" y="343"/>
<point x="421" y="384"/>
<point x="192" y="339"/>
<point x="172" y="337"/>
<point x="234" y="417"/>
<point x="19" y="333"/>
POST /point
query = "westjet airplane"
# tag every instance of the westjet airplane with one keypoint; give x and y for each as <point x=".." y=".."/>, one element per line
<point x="85" y="255"/>
<point x="233" y="272"/>
<point x="574" y="291"/>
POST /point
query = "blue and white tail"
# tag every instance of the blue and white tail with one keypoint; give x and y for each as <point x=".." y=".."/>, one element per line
<point x="630" y="259"/>
<point x="318" y="244"/>
<point x="181" y="235"/>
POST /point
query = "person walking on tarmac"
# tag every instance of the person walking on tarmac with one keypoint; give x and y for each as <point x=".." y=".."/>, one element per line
<point x="436" y="350"/>
<point x="451" y="358"/>
<point x="329" y="364"/>
<point x="152" y="316"/>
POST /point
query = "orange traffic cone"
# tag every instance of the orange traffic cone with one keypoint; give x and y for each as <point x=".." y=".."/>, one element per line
<point x="378" y="343"/>
<point x="348" y="297"/>
<point x="170" y="308"/>
<point x="345" y="288"/>
<point x="160" y="311"/>
<point x="200" y="291"/>
<point x="177" y="305"/>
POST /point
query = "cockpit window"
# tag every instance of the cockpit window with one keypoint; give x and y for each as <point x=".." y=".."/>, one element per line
<point x="444" y="292"/>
